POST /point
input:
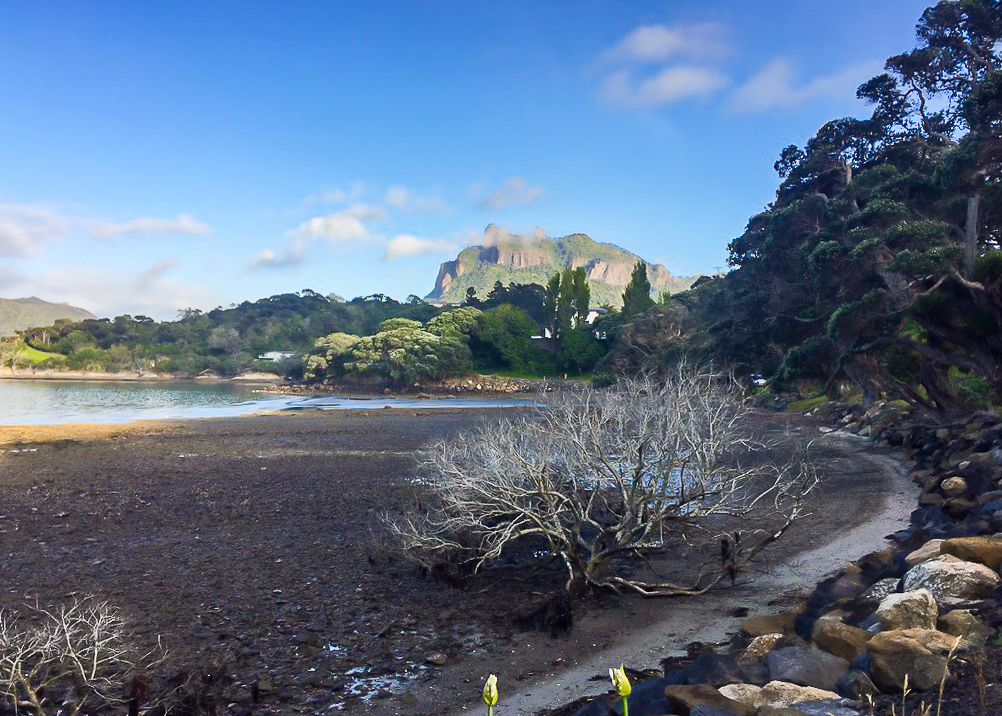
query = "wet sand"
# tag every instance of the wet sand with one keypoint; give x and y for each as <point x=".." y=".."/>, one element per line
<point x="253" y="544"/>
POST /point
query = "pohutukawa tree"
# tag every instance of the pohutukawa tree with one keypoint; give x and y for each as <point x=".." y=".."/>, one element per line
<point x="599" y="475"/>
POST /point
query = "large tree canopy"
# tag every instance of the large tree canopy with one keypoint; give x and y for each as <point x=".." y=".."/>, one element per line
<point x="879" y="263"/>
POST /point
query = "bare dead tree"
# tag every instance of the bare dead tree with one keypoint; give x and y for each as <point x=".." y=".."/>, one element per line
<point x="69" y="658"/>
<point x="597" y="474"/>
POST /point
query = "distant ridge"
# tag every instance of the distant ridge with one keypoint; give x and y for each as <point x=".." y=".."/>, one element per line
<point x="16" y="314"/>
<point x="534" y="259"/>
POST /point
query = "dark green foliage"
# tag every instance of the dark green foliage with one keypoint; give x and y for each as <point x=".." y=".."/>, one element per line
<point x="579" y="351"/>
<point x="503" y="339"/>
<point x="637" y="295"/>
<point x="527" y="297"/>
<point x="877" y="264"/>
<point x="222" y="341"/>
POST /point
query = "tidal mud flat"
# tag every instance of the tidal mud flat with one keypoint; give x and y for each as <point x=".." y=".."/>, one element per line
<point x="252" y="544"/>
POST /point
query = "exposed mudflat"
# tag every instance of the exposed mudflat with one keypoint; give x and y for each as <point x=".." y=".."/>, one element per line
<point x="252" y="545"/>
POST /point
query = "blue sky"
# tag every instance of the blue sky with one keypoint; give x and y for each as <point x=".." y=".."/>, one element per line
<point x="157" y="156"/>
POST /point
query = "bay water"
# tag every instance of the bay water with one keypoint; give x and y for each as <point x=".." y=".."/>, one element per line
<point x="63" y="402"/>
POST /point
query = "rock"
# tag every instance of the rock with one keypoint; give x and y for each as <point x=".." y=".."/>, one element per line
<point x="857" y="685"/>
<point x="985" y="497"/>
<point x="961" y="622"/>
<point x="264" y="686"/>
<point x="953" y="486"/>
<point x="931" y="498"/>
<point x="842" y="640"/>
<point x="806" y="666"/>
<point x="958" y="507"/>
<point x="759" y="647"/>
<point x="705" y="710"/>
<point x="743" y="693"/>
<point x="930" y="550"/>
<point x="775" y="694"/>
<point x="773" y="711"/>
<point x="908" y="610"/>
<point x="919" y="653"/>
<point x="825" y="707"/>
<point x="946" y="576"/>
<point x="716" y="670"/>
<point x="781" y="623"/>
<point x="437" y="659"/>
<point x="878" y="590"/>
<point x="983" y="550"/>
<point x="683" y="699"/>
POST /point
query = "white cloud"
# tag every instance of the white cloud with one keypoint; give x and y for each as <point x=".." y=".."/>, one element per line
<point x="776" y="86"/>
<point x="514" y="192"/>
<point x="407" y="245"/>
<point x="107" y="292"/>
<point x="25" y="229"/>
<point x="668" y="85"/>
<point x="145" y="226"/>
<point x="659" y="43"/>
<point x="343" y="229"/>
<point x="342" y="226"/>
<point x="684" y="60"/>
<point x="403" y="199"/>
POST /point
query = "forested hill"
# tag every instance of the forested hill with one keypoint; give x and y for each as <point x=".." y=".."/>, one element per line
<point x="534" y="259"/>
<point x="878" y="266"/>
<point x="224" y="341"/>
<point x="16" y="314"/>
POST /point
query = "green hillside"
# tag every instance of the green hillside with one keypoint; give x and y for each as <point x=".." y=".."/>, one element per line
<point x="519" y="259"/>
<point x="16" y="314"/>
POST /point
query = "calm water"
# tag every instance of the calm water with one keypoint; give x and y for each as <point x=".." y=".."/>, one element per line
<point x="41" y="402"/>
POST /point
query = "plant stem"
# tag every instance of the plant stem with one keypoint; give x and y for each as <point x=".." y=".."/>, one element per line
<point x="626" y="706"/>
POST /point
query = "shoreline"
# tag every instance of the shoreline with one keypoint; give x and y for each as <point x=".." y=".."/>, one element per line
<point x="90" y="376"/>
<point x="646" y="648"/>
<point x="235" y="481"/>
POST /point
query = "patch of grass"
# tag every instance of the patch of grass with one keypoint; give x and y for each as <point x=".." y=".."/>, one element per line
<point x="33" y="355"/>
<point x="806" y="403"/>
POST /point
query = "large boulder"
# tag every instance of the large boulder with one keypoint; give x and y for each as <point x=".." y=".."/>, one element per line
<point x="946" y="577"/>
<point x="840" y="639"/>
<point x="720" y="669"/>
<point x="983" y="550"/>
<point x="806" y="666"/>
<point x="775" y="694"/>
<point x="878" y="590"/>
<point x="930" y="550"/>
<point x="961" y="622"/>
<point x="908" y="610"/>
<point x="683" y="699"/>
<point x="920" y="653"/>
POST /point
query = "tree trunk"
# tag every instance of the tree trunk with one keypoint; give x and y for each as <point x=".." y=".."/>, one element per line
<point x="971" y="234"/>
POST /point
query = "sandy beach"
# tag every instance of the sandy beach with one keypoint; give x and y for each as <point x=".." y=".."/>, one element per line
<point x="253" y="545"/>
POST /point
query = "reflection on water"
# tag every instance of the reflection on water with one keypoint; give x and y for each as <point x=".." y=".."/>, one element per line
<point x="42" y="402"/>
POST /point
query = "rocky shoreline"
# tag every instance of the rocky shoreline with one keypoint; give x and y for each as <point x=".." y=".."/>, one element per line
<point x="927" y="609"/>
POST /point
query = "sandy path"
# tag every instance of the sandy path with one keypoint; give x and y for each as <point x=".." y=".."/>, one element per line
<point x="704" y="618"/>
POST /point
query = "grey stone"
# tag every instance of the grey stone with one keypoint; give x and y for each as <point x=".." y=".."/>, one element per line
<point x="947" y="576"/>
<point x="806" y="666"/>
<point x="908" y="610"/>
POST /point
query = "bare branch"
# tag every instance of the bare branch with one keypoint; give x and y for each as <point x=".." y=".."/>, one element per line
<point x="595" y="475"/>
